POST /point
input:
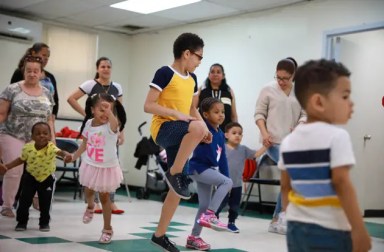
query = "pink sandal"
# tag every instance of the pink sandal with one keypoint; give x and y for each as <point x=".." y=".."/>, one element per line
<point x="106" y="236"/>
<point x="88" y="215"/>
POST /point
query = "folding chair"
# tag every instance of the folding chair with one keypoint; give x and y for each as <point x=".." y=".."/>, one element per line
<point x="265" y="160"/>
<point x="70" y="146"/>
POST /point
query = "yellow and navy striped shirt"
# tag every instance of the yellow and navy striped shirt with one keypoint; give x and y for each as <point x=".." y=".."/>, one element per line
<point x="177" y="92"/>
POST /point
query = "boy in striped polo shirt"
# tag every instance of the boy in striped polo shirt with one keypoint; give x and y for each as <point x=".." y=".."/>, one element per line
<point x="321" y="204"/>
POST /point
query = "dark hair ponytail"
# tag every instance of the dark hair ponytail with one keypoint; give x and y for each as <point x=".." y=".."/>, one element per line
<point x="94" y="99"/>
<point x="88" y="112"/>
<point x="293" y="60"/>
<point x="120" y="113"/>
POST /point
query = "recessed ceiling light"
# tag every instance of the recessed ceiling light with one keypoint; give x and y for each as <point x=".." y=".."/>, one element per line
<point x="150" y="6"/>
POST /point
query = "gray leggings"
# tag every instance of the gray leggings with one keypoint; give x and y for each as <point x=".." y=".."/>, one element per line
<point x="205" y="182"/>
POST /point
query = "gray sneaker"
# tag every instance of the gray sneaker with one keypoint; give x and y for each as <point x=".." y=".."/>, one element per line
<point x="179" y="184"/>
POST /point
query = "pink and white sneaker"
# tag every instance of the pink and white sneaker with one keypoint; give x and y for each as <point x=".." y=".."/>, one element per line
<point x="197" y="243"/>
<point x="210" y="220"/>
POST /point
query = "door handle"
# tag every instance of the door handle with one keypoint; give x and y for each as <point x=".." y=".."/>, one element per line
<point x="367" y="137"/>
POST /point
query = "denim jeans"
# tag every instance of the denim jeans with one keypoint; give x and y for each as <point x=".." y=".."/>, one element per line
<point x="273" y="153"/>
<point x="305" y="237"/>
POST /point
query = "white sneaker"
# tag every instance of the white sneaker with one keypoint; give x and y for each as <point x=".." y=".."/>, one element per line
<point x="282" y="224"/>
<point x="273" y="227"/>
<point x="279" y="226"/>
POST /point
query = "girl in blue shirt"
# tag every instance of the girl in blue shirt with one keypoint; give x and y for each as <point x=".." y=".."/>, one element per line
<point x="209" y="168"/>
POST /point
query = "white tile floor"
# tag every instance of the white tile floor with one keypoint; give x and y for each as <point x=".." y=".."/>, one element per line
<point x="67" y="224"/>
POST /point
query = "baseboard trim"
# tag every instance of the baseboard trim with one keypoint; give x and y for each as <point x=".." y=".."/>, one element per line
<point x="374" y="213"/>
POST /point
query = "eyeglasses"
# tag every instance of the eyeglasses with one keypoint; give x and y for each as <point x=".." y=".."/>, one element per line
<point x="31" y="58"/>
<point x="198" y="55"/>
<point x="284" y="79"/>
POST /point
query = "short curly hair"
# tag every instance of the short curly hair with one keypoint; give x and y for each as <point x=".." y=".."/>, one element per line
<point x="186" y="41"/>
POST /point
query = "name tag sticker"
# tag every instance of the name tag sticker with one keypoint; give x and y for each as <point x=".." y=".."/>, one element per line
<point x="226" y="100"/>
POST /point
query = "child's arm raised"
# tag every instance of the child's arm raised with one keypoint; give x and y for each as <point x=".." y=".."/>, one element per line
<point x="113" y="122"/>
<point x="347" y="196"/>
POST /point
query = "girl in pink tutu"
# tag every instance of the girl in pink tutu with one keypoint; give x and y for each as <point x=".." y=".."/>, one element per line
<point x="100" y="170"/>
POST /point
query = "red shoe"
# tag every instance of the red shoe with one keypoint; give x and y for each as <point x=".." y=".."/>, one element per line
<point x="117" y="211"/>
<point x="98" y="211"/>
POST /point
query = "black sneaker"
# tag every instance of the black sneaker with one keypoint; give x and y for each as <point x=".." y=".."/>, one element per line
<point x="44" y="228"/>
<point x="21" y="227"/>
<point x="179" y="184"/>
<point x="164" y="243"/>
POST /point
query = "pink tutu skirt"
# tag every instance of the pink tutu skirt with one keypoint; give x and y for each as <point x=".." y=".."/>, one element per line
<point x="100" y="179"/>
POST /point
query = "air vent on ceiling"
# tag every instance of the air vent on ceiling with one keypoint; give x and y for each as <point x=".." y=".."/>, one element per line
<point x="133" y="27"/>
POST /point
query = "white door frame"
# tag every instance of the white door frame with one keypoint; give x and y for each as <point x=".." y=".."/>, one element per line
<point x="331" y="50"/>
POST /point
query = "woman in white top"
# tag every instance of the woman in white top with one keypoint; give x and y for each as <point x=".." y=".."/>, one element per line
<point x="277" y="113"/>
<point x="100" y="84"/>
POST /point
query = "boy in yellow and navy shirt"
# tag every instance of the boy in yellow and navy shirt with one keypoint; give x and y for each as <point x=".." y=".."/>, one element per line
<point x="176" y="124"/>
<point x="40" y="158"/>
<point x="315" y="159"/>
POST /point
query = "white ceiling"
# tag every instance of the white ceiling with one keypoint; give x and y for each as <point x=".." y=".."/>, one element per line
<point x="98" y="15"/>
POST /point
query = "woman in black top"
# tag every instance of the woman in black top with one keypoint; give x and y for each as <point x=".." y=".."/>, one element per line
<point x="216" y="86"/>
<point x="47" y="80"/>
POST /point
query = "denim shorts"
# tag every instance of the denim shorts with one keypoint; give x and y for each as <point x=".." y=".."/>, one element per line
<point x="169" y="137"/>
<point x="303" y="237"/>
<point x="273" y="152"/>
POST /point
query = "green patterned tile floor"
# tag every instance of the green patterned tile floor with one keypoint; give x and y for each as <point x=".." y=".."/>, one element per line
<point x="134" y="229"/>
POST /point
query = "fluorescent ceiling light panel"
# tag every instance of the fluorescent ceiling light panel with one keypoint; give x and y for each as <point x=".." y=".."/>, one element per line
<point x="150" y="6"/>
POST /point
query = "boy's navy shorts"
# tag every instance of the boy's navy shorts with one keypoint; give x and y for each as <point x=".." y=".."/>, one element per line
<point x="170" y="135"/>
